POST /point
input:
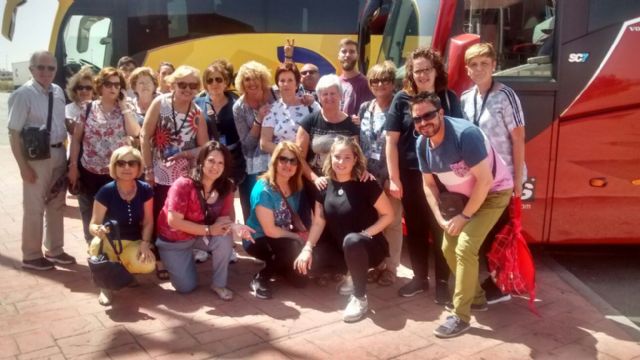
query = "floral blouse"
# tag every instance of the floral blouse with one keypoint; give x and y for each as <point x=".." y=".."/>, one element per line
<point x="104" y="132"/>
<point x="175" y="132"/>
<point x="285" y="119"/>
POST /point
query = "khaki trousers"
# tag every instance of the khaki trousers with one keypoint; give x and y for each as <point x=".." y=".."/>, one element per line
<point x="38" y="217"/>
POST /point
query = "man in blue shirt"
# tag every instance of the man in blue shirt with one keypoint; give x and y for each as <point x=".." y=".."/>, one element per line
<point x="458" y="153"/>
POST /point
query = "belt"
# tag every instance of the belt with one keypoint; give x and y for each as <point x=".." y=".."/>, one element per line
<point x="57" y="145"/>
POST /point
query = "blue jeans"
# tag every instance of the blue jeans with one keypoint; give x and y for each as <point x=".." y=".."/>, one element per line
<point x="178" y="259"/>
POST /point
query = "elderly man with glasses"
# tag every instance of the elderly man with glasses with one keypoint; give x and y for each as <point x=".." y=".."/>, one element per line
<point x="39" y="103"/>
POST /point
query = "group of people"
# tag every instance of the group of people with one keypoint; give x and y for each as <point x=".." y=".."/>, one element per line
<point x="325" y="166"/>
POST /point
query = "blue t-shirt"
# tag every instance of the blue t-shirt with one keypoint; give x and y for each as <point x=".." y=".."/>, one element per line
<point x="267" y="196"/>
<point x="463" y="147"/>
<point x="129" y="215"/>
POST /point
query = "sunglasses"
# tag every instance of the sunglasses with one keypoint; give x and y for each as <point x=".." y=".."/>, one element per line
<point x="217" y="79"/>
<point x="422" y="71"/>
<point x="83" y="88"/>
<point x="430" y="115"/>
<point x="108" y="84"/>
<point x="284" y="160"/>
<point x="45" y="67"/>
<point x="308" y="72"/>
<point x="376" y="82"/>
<point x="130" y="163"/>
<point x="183" y="85"/>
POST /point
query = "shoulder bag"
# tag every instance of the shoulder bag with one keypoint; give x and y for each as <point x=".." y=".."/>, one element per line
<point x="36" y="141"/>
<point x="297" y="225"/>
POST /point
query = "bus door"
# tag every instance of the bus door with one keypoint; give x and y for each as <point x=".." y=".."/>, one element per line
<point x="88" y="34"/>
<point x="521" y="32"/>
<point x="596" y="193"/>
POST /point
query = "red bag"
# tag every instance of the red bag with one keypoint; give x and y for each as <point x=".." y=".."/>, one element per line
<point x="510" y="261"/>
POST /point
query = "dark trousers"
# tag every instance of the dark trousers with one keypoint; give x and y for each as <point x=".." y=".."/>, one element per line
<point x="278" y="256"/>
<point x="160" y="193"/>
<point x="91" y="183"/>
<point x="420" y="225"/>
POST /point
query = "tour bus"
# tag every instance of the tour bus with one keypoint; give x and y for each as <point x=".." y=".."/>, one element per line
<point x="573" y="65"/>
<point x="195" y="32"/>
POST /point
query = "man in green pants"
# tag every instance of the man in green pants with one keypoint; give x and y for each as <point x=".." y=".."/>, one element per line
<point x="460" y="155"/>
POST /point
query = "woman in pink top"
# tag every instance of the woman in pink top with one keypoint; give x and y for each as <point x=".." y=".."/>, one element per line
<point x="105" y="125"/>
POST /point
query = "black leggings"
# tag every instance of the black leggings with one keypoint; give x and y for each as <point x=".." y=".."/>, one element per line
<point x="420" y="224"/>
<point x="278" y="256"/>
<point x="358" y="254"/>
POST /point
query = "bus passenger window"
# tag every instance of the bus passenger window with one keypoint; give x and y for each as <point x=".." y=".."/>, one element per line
<point x="521" y="32"/>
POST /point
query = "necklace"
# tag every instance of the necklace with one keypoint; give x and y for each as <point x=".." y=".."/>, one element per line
<point x="129" y="194"/>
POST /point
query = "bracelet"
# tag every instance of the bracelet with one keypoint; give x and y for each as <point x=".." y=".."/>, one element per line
<point x="206" y="230"/>
<point x="257" y="122"/>
<point x="307" y="248"/>
<point x="465" y="216"/>
<point x="365" y="233"/>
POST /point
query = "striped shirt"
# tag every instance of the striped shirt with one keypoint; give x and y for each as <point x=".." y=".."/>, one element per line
<point x="29" y="105"/>
<point x="501" y="115"/>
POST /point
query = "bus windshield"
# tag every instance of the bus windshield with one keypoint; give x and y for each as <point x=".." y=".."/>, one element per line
<point x="404" y="32"/>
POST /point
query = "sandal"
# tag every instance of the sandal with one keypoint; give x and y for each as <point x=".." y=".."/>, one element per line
<point x="387" y="278"/>
<point x="223" y="293"/>
<point x="373" y="275"/>
<point x="161" y="272"/>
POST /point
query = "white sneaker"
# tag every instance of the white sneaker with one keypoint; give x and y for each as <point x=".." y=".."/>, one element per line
<point x="346" y="286"/>
<point x="356" y="309"/>
<point x="234" y="257"/>
<point x="105" y="297"/>
<point x="200" y="256"/>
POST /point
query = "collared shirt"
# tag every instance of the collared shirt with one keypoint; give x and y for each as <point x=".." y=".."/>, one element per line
<point x="29" y="105"/>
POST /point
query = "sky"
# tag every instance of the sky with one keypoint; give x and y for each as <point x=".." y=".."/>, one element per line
<point x="32" y="32"/>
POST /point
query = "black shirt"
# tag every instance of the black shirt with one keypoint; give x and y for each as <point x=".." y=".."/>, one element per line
<point x="349" y="207"/>
<point x="222" y="122"/>
<point x="399" y="119"/>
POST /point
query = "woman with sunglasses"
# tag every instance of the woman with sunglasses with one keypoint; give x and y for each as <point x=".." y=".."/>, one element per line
<point x="253" y="83"/>
<point x="372" y="115"/>
<point x="128" y="201"/>
<point x="199" y="214"/>
<point x="216" y="104"/>
<point x="424" y="73"/>
<point x="350" y="214"/>
<point x="172" y="131"/>
<point x="285" y="115"/>
<point x="275" y="241"/>
<point x="105" y="125"/>
<point x="80" y="92"/>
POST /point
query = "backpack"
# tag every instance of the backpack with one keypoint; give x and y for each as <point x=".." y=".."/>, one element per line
<point x="510" y="261"/>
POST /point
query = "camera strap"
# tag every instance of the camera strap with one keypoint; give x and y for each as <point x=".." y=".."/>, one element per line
<point x="49" y="115"/>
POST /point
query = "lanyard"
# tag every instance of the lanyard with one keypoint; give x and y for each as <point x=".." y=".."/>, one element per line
<point x="177" y="130"/>
<point x="476" y="116"/>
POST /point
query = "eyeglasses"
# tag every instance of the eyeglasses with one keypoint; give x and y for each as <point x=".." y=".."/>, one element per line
<point x="287" y="160"/>
<point x="183" y="85"/>
<point x="83" y="88"/>
<point x="109" y="84"/>
<point x="50" y="68"/>
<point x="130" y="163"/>
<point x="308" y="72"/>
<point x="217" y="79"/>
<point x="422" y="71"/>
<point x="377" y="82"/>
<point x="429" y="115"/>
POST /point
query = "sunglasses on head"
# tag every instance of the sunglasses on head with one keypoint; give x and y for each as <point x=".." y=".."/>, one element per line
<point x="217" y="79"/>
<point x="130" y="163"/>
<point x="287" y="160"/>
<point x="183" y="85"/>
<point x="109" y="84"/>
<point x="308" y="72"/>
<point x="429" y="115"/>
<point x="83" y="87"/>
<point x="45" y="67"/>
<point x="380" y="81"/>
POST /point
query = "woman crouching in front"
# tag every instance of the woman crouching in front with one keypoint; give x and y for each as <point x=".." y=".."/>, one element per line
<point x="130" y="202"/>
<point x="277" y="243"/>
<point x="355" y="213"/>
<point x="199" y="214"/>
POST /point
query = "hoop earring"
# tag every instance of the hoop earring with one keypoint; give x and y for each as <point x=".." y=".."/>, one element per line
<point x="415" y="133"/>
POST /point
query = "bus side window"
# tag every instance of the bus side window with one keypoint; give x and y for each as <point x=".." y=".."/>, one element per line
<point x="87" y="41"/>
<point x="521" y="32"/>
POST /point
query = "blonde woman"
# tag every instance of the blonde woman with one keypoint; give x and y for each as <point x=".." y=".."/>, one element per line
<point x="129" y="201"/>
<point x="254" y="84"/>
<point x="80" y="92"/>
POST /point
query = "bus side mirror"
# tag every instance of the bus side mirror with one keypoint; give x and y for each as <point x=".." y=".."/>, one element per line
<point x="458" y="79"/>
